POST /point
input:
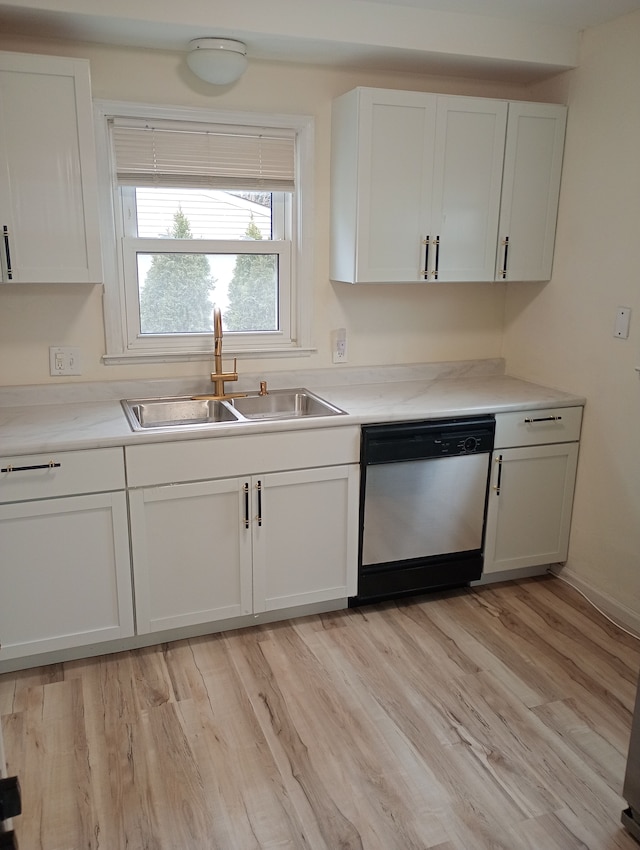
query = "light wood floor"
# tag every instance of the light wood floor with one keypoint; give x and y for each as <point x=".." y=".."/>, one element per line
<point x="497" y="717"/>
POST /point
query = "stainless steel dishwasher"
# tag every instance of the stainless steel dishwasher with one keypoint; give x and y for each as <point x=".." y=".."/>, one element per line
<point x="422" y="506"/>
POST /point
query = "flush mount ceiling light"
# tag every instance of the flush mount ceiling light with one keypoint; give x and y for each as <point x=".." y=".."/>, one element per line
<point x="217" y="60"/>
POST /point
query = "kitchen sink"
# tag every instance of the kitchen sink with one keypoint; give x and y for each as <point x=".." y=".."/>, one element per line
<point x="283" y="404"/>
<point x="175" y="412"/>
<point x="183" y="412"/>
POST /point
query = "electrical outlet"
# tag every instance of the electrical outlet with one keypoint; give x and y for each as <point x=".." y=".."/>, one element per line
<point x="339" y="345"/>
<point x="64" y="361"/>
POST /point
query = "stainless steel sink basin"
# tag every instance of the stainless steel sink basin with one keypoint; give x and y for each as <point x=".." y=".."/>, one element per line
<point x="175" y="412"/>
<point x="185" y="412"/>
<point x="283" y="404"/>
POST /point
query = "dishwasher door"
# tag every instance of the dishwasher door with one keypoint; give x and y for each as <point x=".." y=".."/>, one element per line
<point x="424" y="508"/>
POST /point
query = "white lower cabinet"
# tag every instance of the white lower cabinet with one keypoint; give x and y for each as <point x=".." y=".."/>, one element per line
<point x="206" y="551"/>
<point x="305" y="539"/>
<point x="64" y="559"/>
<point x="531" y="489"/>
<point x="192" y="559"/>
<point x="529" y="516"/>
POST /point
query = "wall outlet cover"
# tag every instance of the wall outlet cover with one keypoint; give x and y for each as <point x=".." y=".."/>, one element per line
<point x="339" y="345"/>
<point x="621" y="326"/>
<point x="65" y="360"/>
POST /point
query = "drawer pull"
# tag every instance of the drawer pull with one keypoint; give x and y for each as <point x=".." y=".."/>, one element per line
<point x="7" y="251"/>
<point x="544" y="419"/>
<point x="51" y="465"/>
<point x="498" y="483"/>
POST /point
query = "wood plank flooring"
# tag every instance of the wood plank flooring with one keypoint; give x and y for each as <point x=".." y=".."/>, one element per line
<point x="497" y="717"/>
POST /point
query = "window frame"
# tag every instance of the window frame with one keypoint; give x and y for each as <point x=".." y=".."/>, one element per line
<point x="151" y="343"/>
<point x="123" y="342"/>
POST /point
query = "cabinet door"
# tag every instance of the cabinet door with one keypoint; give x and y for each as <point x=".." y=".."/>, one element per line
<point x="469" y="152"/>
<point x="382" y="168"/>
<point x="65" y="574"/>
<point x="48" y="197"/>
<point x="191" y="551"/>
<point x="305" y="542"/>
<point x="530" y="190"/>
<point x="529" y="506"/>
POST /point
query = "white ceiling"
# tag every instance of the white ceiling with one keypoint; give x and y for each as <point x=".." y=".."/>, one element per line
<point x="516" y="40"/>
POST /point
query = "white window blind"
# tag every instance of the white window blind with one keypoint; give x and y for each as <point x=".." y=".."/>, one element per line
<point x="225" y="157"/>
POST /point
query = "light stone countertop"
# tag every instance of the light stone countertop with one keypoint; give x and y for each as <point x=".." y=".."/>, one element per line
<point x="82" y="416"/>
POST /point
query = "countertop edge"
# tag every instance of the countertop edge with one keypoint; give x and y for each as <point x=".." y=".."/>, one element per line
<point x="35" y="429"/>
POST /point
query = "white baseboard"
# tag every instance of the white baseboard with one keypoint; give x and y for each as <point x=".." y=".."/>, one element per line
<point x="92" y="650"/>
<point x="509" y="575"/>
<point x="621" y="615"/>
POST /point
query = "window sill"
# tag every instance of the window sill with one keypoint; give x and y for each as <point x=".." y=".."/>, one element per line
<point x="129" y="358"/>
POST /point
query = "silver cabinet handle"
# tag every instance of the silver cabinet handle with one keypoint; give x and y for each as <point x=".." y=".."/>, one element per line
<point x="544" y="419"/>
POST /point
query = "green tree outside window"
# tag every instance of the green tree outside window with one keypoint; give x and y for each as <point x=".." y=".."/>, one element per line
<point x="176" y="294"/>
<point x="253" y="290"/>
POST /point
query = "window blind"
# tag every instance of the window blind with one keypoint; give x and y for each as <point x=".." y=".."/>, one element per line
<point x="218" y="156"/>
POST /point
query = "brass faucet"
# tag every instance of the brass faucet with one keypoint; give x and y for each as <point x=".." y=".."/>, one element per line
<point x="218" y="377"/>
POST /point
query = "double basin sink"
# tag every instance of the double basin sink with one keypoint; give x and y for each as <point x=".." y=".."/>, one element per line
<point x="187" y="412"/>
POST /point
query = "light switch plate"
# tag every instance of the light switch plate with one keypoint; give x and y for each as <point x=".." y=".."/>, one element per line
<point x="623" y="318"/>
<point x="64" y="360"/>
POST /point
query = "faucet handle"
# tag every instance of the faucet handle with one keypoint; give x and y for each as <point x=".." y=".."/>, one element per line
<point x="263" y="388"/>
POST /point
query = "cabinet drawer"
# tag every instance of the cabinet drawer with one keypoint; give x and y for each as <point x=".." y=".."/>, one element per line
<point x="43" y="476"/>
<point x="225" y="457"/>
<point x="536" y="427"/>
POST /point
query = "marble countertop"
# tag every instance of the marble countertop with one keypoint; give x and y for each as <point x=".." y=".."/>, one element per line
<point x="81" y="416"/>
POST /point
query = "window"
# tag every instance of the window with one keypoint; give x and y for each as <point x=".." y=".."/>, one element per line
<point x="205" y="209"/>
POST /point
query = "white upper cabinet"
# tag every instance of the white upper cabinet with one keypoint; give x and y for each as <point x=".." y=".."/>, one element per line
<point x="48" y="185"/>
<point x="381" y="185"/>
<point x="530" y="190"/>
<point x="466" y="188"/>
<point x="425" y="187"/>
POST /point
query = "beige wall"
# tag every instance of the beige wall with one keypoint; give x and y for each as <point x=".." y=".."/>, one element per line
<point x="562" y="333"/>
<point x="385" y="324"/>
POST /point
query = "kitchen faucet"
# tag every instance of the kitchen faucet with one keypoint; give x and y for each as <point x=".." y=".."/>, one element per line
<point x="218" y="376"/>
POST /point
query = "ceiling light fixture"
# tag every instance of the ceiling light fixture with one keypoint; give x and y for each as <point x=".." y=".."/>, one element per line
<point x="220" y="61"/>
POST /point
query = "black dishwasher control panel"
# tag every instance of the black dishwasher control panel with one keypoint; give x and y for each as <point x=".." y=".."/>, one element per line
<point x="430" y="438"/>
